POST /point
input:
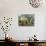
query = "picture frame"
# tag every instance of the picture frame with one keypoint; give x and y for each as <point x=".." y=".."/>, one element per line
<point x="26" y="20"/>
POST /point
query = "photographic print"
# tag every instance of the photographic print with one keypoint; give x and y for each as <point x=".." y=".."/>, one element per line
<point x="26" y="20"/>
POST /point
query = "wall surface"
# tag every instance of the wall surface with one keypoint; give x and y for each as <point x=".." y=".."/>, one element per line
<point x="14" y="8"/>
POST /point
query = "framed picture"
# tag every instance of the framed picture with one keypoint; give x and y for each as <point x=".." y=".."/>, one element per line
<point x="26" y="20"/>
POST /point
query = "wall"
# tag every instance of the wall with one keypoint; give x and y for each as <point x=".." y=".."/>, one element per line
<point x="13" y="8"/>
